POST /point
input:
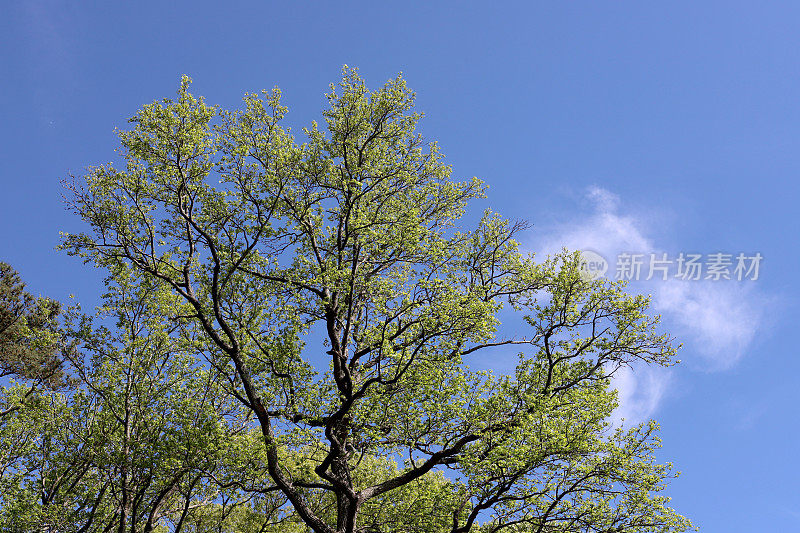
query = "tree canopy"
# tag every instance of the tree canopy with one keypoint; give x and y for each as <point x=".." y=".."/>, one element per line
<point x="295" y="324"/>
<point x="30" y="344"/>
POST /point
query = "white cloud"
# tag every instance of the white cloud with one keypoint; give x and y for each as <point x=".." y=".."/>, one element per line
<point x="720" y="318"/>
<point x="604" y="199"/>
<point x="640" y="391"/>
<point x="603" y="231"/>
<point x="716" y="321"/>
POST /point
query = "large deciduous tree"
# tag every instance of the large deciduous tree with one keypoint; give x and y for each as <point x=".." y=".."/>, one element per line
<point x="145" y="441"/>
<point x="336" y="285"/>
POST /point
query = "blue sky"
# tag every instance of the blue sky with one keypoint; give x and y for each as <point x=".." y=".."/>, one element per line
<point x="627" y="126"/>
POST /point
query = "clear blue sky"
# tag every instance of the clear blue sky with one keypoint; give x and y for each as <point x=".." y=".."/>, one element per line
<point x="619" y="126"/>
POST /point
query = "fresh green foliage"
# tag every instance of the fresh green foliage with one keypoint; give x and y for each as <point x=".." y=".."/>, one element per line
<point x="29" y="342"/>
<point x="144" y="435"/>
<point x="250" y="246"/>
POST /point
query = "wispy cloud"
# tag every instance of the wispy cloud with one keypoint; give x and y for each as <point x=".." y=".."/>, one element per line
<point x="603" y="229"/>
<point x="720" y="319"/>
<point x="716" y="320"/>
<point x="640" y="391"/>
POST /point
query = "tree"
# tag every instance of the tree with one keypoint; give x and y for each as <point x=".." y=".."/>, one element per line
<point x="29" y="342"/>
<point x="30" y="339"/>
<point x="356" y="237"/>
<point x="144" y="440"/>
